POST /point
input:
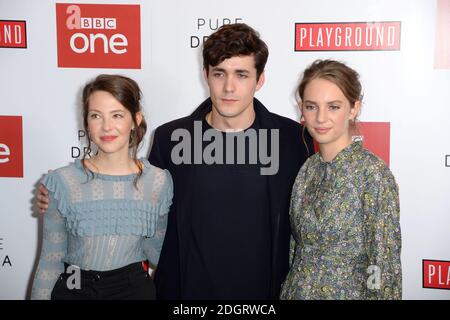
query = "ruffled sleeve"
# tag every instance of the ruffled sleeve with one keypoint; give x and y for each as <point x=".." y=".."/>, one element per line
<point x="162" y="191"/>
<point x="153" y="245"/>
<point x="55" y="185"/>
<point x="54" y="242"/>
<point x="383" y="237"/>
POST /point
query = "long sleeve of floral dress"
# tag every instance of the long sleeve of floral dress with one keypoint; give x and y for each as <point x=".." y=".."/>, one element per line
<point x="345" y="222"/>
<point x="383" y="237"/>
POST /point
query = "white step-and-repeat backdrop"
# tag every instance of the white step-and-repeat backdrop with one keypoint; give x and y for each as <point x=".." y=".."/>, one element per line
<point x="49" y="50"/>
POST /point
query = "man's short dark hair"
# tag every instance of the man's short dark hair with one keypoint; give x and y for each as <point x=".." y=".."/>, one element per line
<point x="233" y="40"/>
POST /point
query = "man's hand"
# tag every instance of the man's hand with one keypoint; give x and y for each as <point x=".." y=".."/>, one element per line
<point x="42" y="199"/>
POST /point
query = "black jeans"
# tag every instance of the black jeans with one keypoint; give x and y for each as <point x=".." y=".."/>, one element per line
<point x="131" y="282"/>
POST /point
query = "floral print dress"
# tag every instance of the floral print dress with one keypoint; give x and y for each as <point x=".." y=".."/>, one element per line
<point x="346" y="232"/>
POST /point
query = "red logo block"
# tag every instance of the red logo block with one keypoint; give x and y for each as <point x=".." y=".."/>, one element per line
<point x="11" y="152"/>
<point x="13" y="34"/>
<point x="436" y="274"/>
<point x="98" y="36"/>
<point x="348" y="36"/>
<point x="376" y="137"/>
<point x="442" y="43"/>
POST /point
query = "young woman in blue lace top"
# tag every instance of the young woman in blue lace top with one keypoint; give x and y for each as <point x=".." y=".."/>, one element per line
<point x="107" y="213"/>
<point x="344" y="205"/>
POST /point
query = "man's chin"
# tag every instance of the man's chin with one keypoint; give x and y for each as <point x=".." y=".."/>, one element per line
<point x="224" y="113"/>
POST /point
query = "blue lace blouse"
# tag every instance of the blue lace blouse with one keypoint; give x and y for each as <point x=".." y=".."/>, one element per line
<point x="101" y="223"/>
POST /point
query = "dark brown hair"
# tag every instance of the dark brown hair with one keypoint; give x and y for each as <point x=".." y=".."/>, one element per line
<point x="128" y="93"/>
<point x="233" y="40"/>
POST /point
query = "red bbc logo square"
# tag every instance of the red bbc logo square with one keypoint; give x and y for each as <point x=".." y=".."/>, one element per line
<point x="436" y="274"/>
<point x="98" y="36"/>
<point x="11" y="151"/>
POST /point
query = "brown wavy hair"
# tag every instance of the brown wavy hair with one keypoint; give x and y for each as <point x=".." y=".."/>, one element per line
<point x="233" y="40"/>
<point x="338" y="73"/>
<point x="128" y="93"/>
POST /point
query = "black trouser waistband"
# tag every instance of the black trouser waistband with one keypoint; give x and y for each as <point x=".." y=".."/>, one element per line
<point x="97" y="275"/>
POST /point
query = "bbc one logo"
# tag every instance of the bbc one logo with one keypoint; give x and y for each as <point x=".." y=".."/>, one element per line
<point x="348" y="36"/>
<point x="98" y="36"/>
<point x="13" y="34"/>
<point x="11" y="152"/>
